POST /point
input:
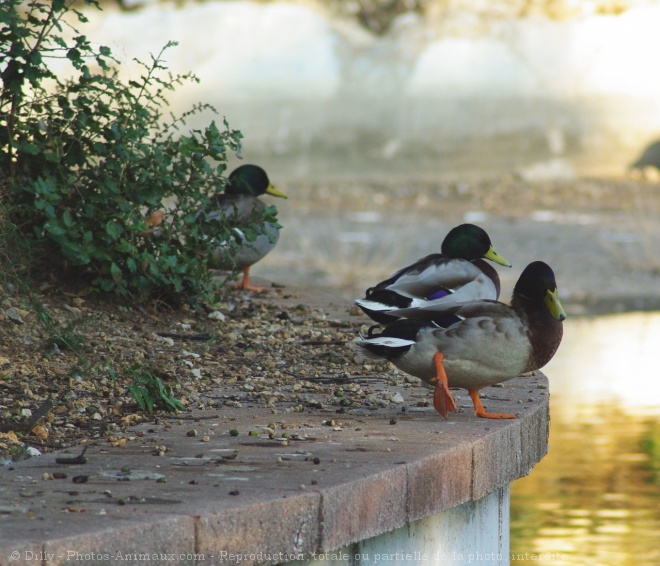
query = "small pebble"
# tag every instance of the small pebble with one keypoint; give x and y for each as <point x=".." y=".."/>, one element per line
<point x="14" y="315"/>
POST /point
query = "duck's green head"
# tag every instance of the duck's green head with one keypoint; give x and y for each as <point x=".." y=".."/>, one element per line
<point x="250" y="180"/>
<point x="537" y="282"/>
<point x="470" y="242"/>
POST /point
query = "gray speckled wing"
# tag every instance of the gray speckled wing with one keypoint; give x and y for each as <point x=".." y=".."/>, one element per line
<point x="240" y="211"/>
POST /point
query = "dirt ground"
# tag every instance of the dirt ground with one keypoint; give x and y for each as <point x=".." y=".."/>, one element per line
<point x="288" y="348"/>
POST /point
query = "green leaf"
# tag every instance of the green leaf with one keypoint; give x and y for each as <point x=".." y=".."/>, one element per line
<point x="105" y="285"/>
<point x="115" y="270"/>
<point x="139" y="394"/>
<point x="75" y="252"/>
<point x="250" y="234"/>
<point x="54" y="228"/>
<point x="67" y="219"/>
<point x="28" y="147"/>
<point x="113" y="229"/>
<point x="74" y="54"/>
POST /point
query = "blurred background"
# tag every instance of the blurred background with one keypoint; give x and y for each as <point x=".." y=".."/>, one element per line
<point x="413" y="87"/>
<point x="387" y="122"/>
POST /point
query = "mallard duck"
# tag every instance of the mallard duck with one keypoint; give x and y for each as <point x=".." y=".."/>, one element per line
<point x="240" y="206"/>
<point x="478" y="343"/>
<point x="457" y="274"/>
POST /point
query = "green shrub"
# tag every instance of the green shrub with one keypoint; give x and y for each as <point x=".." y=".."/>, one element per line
<point x="85" y="161"/>
<point x="149" y="392"/>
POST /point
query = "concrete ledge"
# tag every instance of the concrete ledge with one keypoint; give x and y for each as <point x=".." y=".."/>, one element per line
<point x="327" y="487"/>
<point x="475" y="532"/>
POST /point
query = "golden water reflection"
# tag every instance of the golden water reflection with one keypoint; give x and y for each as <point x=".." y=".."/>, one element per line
<point x="595" y="498"/>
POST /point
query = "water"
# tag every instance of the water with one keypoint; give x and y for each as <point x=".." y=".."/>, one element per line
<point x="594" y="499"/>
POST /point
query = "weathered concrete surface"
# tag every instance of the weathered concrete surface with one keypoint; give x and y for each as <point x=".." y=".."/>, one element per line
<point x="475" y="532"/>
<point x="322" y="488"/>
<point x="326" y="490"/>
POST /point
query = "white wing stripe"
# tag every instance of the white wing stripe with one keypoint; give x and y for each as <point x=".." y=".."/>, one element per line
<point x="389" y="342"/>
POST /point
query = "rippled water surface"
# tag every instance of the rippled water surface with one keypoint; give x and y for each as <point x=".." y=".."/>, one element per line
<point x="595" y="498"/>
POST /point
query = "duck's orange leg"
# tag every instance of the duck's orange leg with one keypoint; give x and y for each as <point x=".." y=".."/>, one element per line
<point x="481" y="412"/>
<point x="245" y="282"/>
<point x="442" y="399"/>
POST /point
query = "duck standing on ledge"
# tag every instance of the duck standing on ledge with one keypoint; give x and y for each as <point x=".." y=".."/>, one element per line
<point x="457" y="274"/>
<point x="478" y="343"/>
<point x="241" y="208"/>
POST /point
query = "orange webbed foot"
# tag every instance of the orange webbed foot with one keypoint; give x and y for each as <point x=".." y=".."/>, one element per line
<point x="245" y="283"/>
<point x="481" y="412"/>
<point x="443" y="401"/>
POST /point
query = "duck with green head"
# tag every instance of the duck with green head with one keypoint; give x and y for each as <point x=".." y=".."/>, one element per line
<point x="475" y="344"/>
<point x="239" y="205"/>
<point x="457" y="274"/>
